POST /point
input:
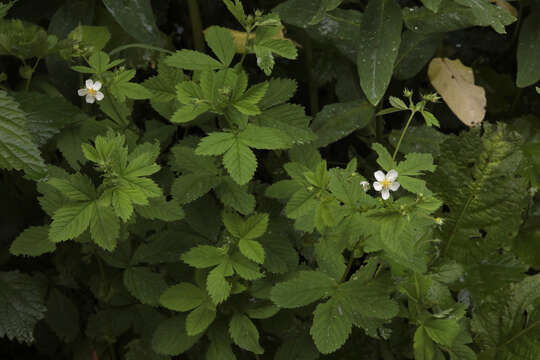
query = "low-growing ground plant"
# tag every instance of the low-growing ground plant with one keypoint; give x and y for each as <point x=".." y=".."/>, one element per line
<point x="299" y="179"/>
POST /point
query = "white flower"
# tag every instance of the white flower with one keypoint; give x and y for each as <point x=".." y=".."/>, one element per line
<point x="91" y="91"/>
<point x="385" y="183"/>
<point x="365" y="186"/>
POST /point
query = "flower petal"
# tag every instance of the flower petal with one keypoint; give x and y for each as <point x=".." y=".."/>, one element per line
<point x="97" y="86"/>
<point x="379" y="175"/>
<point x="99" y="96"/>
<point x="377" y="186"/>
<point x="82" y="92"/>
<point x="90" y="99"/>
<point x="89" y="83"/>
<point x="385" y="194"/>
<point x="392" y="175"/>
<point x="394" y="186"/>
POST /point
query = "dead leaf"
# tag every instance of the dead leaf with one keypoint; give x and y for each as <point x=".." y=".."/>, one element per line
<point x="455" y="83"/>
<point x="506" y="6"/>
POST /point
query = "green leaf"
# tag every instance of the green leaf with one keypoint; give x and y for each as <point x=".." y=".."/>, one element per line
<point x="476" y="179"/>
<point x="380" y="32"/>
<point x="246" y="104"/>
<point x="278" y="92"/>
<point x="199" y="319"/>
<point x="424" y="348"/>
<point x="21" y="306"/>
<point x="4" y="8"/>
<point x="104" y="227"/>
<point x="244" y="333"/>
<point x="221" y="42"/>
<point x="159" y="208"/>
<point x="182" y="297"/>
<point x="204" y="256"/>
<point x="45" y="118"/>
<point x="192" y="60"/>
<point x="215" y="143"/>
<point x="416" y="164"/>
<point x="528" y="52"/>
<point x="254" y="226"/>
<point x="133" y="91"/>
<point x="432" y="5"/>
<point x="303" y="289"/>
<point x="290" y="119"/>
<point x="442" y="331"/>
<point x="252" y="250"/>
<point x="71" y="221"/>
<point x="77" y="187"/>
<point x="136" y="18"/>
<point x="190" y="187"/>
<point x="508" y="324"/>
<point x="17" y="150"/>
<point x="237" y="10"/>
<point x="267" y="138"/>
<point x="240" y="162"/>
<point x="336" y="121"/>
<point x="415" y="51"/>
<point x="33" y="241"/>
<point x="235" y="196"/>
<point x="450" y="17"/>
<point x="163" y="86"/>
<point x="384" y="158"/>
<point x="218" y="287"/>
<point x="331" y="326"/>
<point x="301" y="203"/>
<point x="171" y="338"/>
<point x="245" y="268"/>
<point x="62" y="316"/>
<point x="99" y="62"/>
<point x="95" y="37"/>
<point x="144" y="285"/>
<point x="184" y="159"/>
<point x="488" y="14"/>
<point x="220" y="343"/>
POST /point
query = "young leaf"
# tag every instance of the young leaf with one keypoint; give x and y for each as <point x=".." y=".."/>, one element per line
<point x="380" y="32"/>
<point x="104" y="227"/>
<point x="71" y="221"/>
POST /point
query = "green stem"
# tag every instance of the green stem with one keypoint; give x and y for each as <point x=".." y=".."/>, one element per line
<point x="141" y="46"/>
<point x="349" y="266"/>
<point x="196" y="24"/>
<point x="27" y="86"/>
<point x="313" y="91"/>
<point x="403" y="135"/>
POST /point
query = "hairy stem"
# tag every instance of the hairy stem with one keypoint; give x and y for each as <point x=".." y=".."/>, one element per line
<point x="403" y="134"/>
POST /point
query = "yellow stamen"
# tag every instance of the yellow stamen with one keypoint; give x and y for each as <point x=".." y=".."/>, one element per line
<point x="386" y="183"/>
<point x="92" y="92"/>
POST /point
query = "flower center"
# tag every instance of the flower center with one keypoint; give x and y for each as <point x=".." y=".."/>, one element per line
<point x="386" y="183"/>
<point x="92" y="92"/>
